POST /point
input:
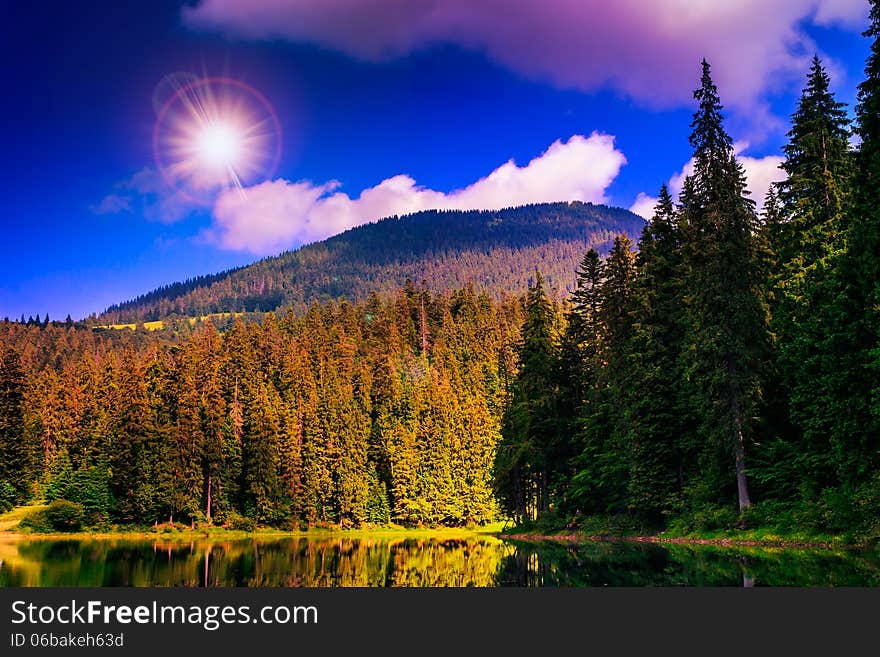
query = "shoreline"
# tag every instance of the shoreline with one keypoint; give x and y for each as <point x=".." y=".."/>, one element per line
<point x="499" y="530"/>
<point x="657" y="539"/>
<point x="403" y="533"/>
<point x="221" y="534"/>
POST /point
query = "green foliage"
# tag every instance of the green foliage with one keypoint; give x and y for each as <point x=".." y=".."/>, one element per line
<point x="65" y="516"/>
<point x="681" y="395"/>
<point x="8" y="495"/>
<point x="378" y="511"/>
<point x="89" y="487"/>
<point x="724" y="316"/>
<point x="706" y="518"/>
<point x="807" y="237"/>
<point x="723" y="377"/>
<point x="37" y="522"/>
<point x="448" y="248"/>
<point x="527" y="458"/>
<point x="59" y="516"/>
<point x="238" y="522"/>
<point x="347" y="415"/>
<point x="15" y="451"/>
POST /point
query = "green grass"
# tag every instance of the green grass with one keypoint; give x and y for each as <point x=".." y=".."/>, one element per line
<point x="618" y="527"/>
<point x="10" y="519"/>
<point x="158" y="325"/>
<point x="768" y="535"/>
<point x="9" y="523"/>
<point x="628" y="528"/>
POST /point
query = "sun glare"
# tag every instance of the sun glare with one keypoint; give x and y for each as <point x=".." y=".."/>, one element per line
<point x="214" y="133"/>
<point x="219" y="145"/>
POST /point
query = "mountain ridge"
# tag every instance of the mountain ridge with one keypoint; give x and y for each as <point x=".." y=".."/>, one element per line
<point x="498" y="250"/>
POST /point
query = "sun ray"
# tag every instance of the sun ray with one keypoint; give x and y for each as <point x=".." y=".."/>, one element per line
<point x="216" y="133"/>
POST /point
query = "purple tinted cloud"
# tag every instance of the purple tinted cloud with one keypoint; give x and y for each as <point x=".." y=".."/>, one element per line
<point x="649" y="51"/>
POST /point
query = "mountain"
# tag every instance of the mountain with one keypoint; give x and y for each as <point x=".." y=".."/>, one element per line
<point x="495" y="250"/>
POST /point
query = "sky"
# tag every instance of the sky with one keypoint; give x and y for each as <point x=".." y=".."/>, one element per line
<point x="315" y="116"/>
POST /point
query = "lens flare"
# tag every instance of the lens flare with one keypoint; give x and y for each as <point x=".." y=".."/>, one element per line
<point x="215" y="133"/>
<point x="219" y="145"/>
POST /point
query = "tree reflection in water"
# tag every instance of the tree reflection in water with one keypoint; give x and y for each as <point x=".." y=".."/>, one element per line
<point x="425" y="562"/>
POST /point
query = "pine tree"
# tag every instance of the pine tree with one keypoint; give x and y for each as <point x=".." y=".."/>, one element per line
<point x="603" y="464"/>
<point x="130" y="456"/>
<point x="725" y="318"/>
<point x="579" y="364"/>
<point x="525" y="457"/>
<point x="651" y="386"/>
<point x="14" y="452"/>
<point x="858" y="395"/>
<point x="807" y="244"/>
<point x="261" y="453"/>
<point x="206" y="355"/>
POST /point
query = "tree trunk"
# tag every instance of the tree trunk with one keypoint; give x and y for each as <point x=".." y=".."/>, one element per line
<point x="740" y="456"/>
<point x="739" y="448"/>
<point x="208" y="514"/>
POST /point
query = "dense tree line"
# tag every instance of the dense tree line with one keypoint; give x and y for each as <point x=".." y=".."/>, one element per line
<point x="727" y="371"/>
<point x="350" y="414"/>
<point x="495" y="250"/>
<point x="723" y="371"/>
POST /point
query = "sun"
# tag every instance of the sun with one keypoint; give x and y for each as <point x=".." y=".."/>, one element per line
<point x="212" y="134"/>
<point x="219" y="145"/>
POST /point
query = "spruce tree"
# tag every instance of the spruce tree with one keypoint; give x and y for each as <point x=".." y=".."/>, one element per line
<point x="579" y="363"/>
<point x="651" y="386"/>
<point x="858" y="437"/>
<point x="600" y="485"/>
<point x="807" y="241"/>
<point x="13" y="445"/>
<point x="525" y="457"/>
<point x="725" y="319"/>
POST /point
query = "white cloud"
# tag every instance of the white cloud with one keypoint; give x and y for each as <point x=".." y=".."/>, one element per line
<point x="761" y="172"/>
<point x="159" y="201"/>
<point x="644" y="205"/>
<point x="276" y="215"/>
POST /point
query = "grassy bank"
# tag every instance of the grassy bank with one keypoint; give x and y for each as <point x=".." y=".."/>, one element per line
<point x="616" y="528"/>
<point x="11" y="520"/>
<point x="593" y="528"/>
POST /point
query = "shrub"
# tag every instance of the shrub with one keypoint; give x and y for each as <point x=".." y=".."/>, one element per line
<point x="706" y="518"/>
<point x="64" y="515"/>
<point x="768" y="514"/>
<point x="239" y="523"/>
<point x="7" y="496"/>
<point x="36" y="521"/>
<point x="87" y="486"/>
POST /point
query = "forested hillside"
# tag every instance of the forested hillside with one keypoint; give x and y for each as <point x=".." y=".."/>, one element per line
<point x="724" y="374"/>
<point x="350" y="414"/>
<point x="496" y="251"/>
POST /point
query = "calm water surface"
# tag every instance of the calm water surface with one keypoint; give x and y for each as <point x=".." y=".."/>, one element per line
<point x="472" y="561"/>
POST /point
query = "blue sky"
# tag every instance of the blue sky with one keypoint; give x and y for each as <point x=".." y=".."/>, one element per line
<point x="418" y="109"/>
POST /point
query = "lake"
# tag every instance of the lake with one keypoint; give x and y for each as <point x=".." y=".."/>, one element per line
<point x="479" y="560"/>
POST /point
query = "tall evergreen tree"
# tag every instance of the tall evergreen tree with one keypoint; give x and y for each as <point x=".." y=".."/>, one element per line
<point x="14" y="452"/>
<point x="525" y="457"/>
<point x="724" y="315"/>
<point x="580" y="362"/>
<point x="600" y="484"/>
<point x="651" y="386"/>
<point x="859" y="435"/>
<point x="807" y="245"/>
